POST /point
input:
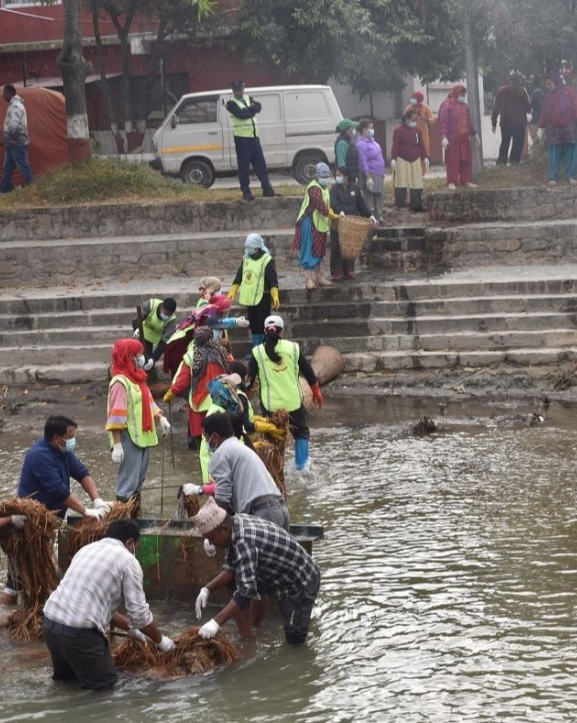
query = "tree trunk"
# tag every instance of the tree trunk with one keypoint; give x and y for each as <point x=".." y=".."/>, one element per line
<point x="473" y="87"/>
<point x="74" y="69"/>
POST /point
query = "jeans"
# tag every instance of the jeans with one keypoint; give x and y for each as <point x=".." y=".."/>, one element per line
<point x="15" y="157"/>
<point x="563" y="154"/>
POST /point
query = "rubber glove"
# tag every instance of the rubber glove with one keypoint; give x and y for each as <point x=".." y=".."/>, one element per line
<point x="135" y="634"/>
<point x="209" y="630"/>
<point x="209" y="548"/>
<point x="164" y="425"/>
<point x="265" y="427"/>
<point x="275" y="298"/>
<point x="149" y="365"/>
<point x="117" y="453"/>
<point x="201" y="601"/>
<point x="100" y="504"/>
<point x="342" y="214"/>
<point x="136" y="334"/>
<point x="317" y="396"/>
<point x="19" y="521"/>
<point x="95" y="514"/>
<point x="190" y="489"/>
<point x="372" y="219"/>
<point x="242" y="322"/>
<point x="427" y="163"/>
<point x="168" y="397"/>
<point x="333" y="216"/>
<point x="370" y="184"/>
<point x="233" y="291"/>
<point x="393" y="164"/>
<point x="445" y="143"/>
<point x="166" y="644"/>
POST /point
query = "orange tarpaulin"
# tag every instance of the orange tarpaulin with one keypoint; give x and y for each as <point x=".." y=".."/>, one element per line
<point x="46" y="114"/>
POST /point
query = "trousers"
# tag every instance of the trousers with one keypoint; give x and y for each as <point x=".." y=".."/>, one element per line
<point x="15" y="157"/>
<point x="249" y="153"/>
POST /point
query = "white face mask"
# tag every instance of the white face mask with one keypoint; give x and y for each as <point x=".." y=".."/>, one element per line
<point x="339" y="180"/>
<point x="164" y="316"/>
<point x="140" y="361"/>
<point x="461" y="99"/>
<point x="371" y="132"/>
<point x="414" y="101"/>
<point x="412" y="124"/>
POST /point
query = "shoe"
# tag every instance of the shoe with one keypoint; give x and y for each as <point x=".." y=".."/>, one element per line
<point x="349" y="275"/>
<point x="452" y="187"/>
<point x="337" y="278"/>
<point x="247" y="197"/>
<point x="552" y="184"/>
<point x="274" y="194"/>
<point x="471" y="185"/>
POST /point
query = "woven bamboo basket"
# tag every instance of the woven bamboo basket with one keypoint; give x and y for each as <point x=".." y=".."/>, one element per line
<point x="353" y="232"/>
<point x="307" y="394"/>
<point x="327" y="363"/>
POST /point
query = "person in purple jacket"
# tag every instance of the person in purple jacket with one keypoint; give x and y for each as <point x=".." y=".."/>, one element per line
<point x="372" y="168"/>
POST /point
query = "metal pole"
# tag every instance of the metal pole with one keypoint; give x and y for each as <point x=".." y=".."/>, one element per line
<point x="171" y="437"/>
<point x="162" y="480"/>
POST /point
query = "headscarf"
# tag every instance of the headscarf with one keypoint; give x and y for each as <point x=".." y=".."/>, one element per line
<point x="254" y="241"/>
<point x="457" y="90"/>
<point x="322" y="170"/>
<point x="206" y="349"/>
<point x="123" y="364"/>
<point x="222" y="390"/>
<point x="418" y="96"/>
<point x="559" y="90"/>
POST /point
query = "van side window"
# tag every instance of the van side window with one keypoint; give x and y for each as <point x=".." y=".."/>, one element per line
<point x="197" y="110"/>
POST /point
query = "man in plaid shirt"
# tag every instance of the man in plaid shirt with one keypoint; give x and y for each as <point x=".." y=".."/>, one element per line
<point x="261" y="559"/>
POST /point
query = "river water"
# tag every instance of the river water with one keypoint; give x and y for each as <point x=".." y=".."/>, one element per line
<point x="449" y="568"/>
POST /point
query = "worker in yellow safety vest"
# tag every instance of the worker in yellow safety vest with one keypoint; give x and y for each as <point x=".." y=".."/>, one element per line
<point x="243" y="109"/>
<point x="278" y="364"/>
<point x="158" y="325"/>
<point x="257" y="281"/>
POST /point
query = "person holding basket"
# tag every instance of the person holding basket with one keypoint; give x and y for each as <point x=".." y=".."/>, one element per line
<point x="346" y="200"/>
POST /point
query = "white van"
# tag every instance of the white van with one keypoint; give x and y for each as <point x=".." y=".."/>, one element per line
<point x="297" y="129"/>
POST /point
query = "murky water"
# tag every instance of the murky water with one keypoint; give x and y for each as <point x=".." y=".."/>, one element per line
<point x="449" y="573"/>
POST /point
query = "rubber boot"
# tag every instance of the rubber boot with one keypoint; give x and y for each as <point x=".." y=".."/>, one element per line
<point x="320" y="280"/>
<point x="309" y="279"/>
<point x="257" y="339"/>
<point x="416" y="199"/>
<point x="401" y="197"/>
<point x="301" y="454"/>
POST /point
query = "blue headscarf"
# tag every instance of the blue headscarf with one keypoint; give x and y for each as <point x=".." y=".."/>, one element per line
<point x="254" y="242"/>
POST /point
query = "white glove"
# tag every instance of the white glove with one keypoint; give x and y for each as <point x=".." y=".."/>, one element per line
<point x="100" y="504"/>
<point x="164" y="425"/>
<point x="209" y="548"/>
<point x="342" y="214"/>
<point x="427" y="163"/>
<point x="20" y="520"/>
<point x="242" y="322"/>
<point x="96" y="514"/>
<point x="372" y="219"/>
<point x="370" y="184"/>
<point x="541" y="134"/>
<point x="209" y="630"/>
<point x="201" y="601"/>
<point x="136" y="334"/>
<point x="445" y="143"/>
<point x="393" y="164"/>
<point x="149" y="365"/>
<point x="135" y="634"/>
<point x="166" y="644"/>
<point x="117" y="453"/>
<point x="190" y="489"/>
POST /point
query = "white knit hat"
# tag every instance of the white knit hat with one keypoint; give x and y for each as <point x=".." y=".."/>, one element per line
<point x="209" y="517"/>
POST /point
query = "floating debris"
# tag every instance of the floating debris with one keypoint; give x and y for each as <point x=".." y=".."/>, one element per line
<point x="424" y="426"/>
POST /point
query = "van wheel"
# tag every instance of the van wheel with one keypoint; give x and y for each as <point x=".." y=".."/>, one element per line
<point x="199" y="173"/>
<point x="304" y="168"/>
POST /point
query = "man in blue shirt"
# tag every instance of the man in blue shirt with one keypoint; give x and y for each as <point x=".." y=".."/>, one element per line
<point x="48" y="467"/>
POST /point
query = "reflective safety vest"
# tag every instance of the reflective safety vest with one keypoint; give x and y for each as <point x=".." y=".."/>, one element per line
<point x="243" y="127"/>
<point x="279" y="381"/>
<point x="152" y="326"/>
<point x="138" y="436"/>
<point x="252" y="284"/>
<point x="320" y="222"/>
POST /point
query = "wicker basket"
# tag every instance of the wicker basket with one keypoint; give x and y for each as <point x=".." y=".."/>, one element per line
<point x="353" y="231"/>
<point x="327" y="363"/>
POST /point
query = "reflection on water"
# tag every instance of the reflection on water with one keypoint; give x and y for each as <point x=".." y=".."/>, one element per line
<point x="448" y="588"/>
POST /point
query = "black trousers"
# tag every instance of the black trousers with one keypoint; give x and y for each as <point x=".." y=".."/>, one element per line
<point x="517" y="136"/>
<point x="297" y="610"/>
<point x="249" y="153"/>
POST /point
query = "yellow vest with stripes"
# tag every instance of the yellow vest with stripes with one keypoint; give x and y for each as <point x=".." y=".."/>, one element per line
<point x="140" y="438"/>
<point x="243" y="127"/>
<point x="152" y="326"/>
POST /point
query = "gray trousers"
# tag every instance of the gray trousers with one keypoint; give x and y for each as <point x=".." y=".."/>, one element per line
<point x="133" y="468"/>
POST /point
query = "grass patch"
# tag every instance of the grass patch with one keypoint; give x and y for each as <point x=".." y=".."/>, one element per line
<point x="532" y="171"/>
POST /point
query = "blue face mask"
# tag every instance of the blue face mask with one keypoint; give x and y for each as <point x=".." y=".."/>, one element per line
<point x="70" y="445"/>
<point x="414" y="101"/>
<point x="140" y="361"/>
<point x="371" y="132"/>
<point x="324" y="181"/>
<point x="164" y="317"/>
<point x="250" y="251"/>
<point x="339" y="180"/>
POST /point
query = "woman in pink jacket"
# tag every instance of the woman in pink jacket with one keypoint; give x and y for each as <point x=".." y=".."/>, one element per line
<point x="456" y="134"/>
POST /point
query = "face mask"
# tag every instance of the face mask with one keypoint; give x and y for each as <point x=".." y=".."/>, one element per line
<point x="211" y="447"/>
<point x="251" y="252"/>
<point x="414" y="101"/>
<point x="164" y="317"/>
<point x="69" y="446"/>
<point x="339" y="180"/>
<point x="324" y="181"/>
<point x="461" y="99"/>
<point x="371" y="132"/>
<point x="217" y="334"/>
<point x="140" y="361"/>
<point x="412" y="124"/>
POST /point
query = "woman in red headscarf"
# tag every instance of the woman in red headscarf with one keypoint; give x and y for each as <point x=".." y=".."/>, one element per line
<point x="457" y="131"/>
<point x="131" y="418"/>
<point x="425" y="118"/>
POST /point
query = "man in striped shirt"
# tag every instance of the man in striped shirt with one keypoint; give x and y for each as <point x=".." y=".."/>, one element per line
<point x="78" y="613"/>
<point x="261" y="559"/>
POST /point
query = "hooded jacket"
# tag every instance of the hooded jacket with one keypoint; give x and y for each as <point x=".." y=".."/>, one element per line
<point x="16" y="124"/>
